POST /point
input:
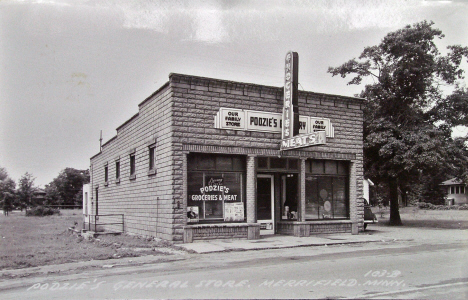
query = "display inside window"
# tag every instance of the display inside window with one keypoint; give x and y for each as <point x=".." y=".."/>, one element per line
<point x="327" y="190"/>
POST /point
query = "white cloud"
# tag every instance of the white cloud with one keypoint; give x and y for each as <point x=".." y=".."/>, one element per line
<point x="215" y="21"/>
<point x="208" y="26"/>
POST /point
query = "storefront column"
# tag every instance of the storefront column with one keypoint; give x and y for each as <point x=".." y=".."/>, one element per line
<point x="302" y="192"/>
<point x="352" y="198"/>
<point x="251" y="189"/>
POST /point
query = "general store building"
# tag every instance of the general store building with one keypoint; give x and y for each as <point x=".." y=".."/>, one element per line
<point x="202" y="160"/>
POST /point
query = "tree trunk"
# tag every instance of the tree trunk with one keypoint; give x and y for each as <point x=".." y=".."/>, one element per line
<point x="394" y="207"/>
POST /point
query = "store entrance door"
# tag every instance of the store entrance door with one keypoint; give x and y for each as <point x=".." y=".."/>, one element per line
<point x="265" y="203"/>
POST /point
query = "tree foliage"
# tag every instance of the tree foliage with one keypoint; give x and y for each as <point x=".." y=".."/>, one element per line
<point x="7" y="191"/>
<point x="66" y="188"/>
<point x="407" y="119"/>
<point x="25" y="191"/>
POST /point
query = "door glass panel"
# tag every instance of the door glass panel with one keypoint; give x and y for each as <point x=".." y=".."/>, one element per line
<point x="289" y="197"/>
<point x="264" y="198"/>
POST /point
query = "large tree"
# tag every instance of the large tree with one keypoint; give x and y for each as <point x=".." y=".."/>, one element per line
<point x="25" y="191"/>
<point x="7" y="191"/>
<point x="407" y="118"/>
<point x="67" y="187"/>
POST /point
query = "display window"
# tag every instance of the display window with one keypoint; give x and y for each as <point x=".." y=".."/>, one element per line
<point x="327" y="190"/>
<point x="215" y="188"/>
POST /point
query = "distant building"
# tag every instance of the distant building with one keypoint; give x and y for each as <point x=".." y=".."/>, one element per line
<point x="38" y="196"/>
<point x="456" y="190"/>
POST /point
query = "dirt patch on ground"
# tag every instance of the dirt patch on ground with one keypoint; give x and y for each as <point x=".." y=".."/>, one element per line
<point x="38" y="241"/>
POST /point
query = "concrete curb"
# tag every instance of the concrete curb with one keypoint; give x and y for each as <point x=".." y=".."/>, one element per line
<point x="84" y="265"/>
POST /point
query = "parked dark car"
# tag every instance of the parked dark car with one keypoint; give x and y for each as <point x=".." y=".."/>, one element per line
<point x="369" y="216"/>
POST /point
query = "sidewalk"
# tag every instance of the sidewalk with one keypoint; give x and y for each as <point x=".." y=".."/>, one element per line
<point x="278" y="242"/>
<point x="374" y="233"/>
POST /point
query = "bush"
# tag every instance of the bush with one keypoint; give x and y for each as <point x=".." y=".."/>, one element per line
<point x="40" y="211"/>
<point x="424" y="205"/>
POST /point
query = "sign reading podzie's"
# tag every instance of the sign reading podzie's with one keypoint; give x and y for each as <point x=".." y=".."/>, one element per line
<point x="263" y="121"/>
<point x="215" y="190"/>
<point x="304" y="140"/>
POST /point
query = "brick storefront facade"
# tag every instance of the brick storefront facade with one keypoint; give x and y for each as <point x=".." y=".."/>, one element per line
<point x="178" y="121"/>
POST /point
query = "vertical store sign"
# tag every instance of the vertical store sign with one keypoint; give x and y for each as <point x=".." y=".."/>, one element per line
<point x="290" y="109"/>
<point x="290" y="131"/>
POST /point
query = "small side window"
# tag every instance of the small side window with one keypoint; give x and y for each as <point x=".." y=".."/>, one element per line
<point x="152" y="159"/>
<point x="132" y="166"/>
<point x="106" y="174"/>
<point x="117" y="171"/>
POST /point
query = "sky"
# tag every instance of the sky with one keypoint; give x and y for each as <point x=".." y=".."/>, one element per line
<point x="71" y="68"/>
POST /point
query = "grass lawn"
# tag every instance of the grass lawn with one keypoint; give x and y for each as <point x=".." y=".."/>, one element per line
<point x="415" y="217"/>
<point x="36" y="241"/>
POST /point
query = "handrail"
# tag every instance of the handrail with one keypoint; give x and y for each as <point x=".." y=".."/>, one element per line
<point x="95" y="220"/>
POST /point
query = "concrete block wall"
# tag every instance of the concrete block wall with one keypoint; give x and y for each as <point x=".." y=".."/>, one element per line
<point x="147" y="200"/>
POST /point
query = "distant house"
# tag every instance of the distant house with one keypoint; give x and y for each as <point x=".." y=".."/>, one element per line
<point x="38" y="196"/>
<point x="456" y="192"/>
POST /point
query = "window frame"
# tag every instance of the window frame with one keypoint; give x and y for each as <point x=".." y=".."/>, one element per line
<point x="106" y="174"/>
<point x="132" y="164"/>
<point x="238" y="165"/>
<point x="341" y="174"/>
<point x="152" y="159"/>
<point x="117" y="171"/>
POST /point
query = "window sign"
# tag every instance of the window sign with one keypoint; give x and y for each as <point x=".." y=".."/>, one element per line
<point x="214" y="190"/>
<point x="192" y="214"/>
<point x="234" y="212"/>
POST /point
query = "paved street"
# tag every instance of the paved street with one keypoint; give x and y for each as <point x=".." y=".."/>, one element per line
<point x="422" y="264"/>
